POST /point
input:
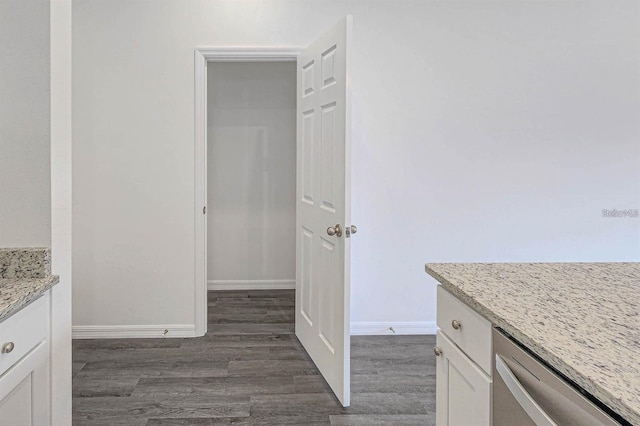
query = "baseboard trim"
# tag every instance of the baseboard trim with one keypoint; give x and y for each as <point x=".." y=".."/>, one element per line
<point x="251" y="284"/>
<point x="132" y="331"/>
<point x="391" y="328"/>
<point x="189" y="330"/>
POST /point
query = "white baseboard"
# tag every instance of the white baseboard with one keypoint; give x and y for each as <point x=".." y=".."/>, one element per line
<point x="251" y="284"/>
<point x="189" y="330"/>
<point x="391" y="328"/>
<point x="132" y="331"/>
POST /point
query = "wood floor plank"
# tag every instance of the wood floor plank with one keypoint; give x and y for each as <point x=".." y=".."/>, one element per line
<point x="235" y="329"/>
<point x="268" y="302"/>
<point x="88" y="344"/>
<point x="387" y="341"/>
<point x="391" y="368"/>
<point x="148" y="355"/>
<point x="312" y="404"/>
<point x="388" y="403"/>
<point x="195" y="422"/>
<point x="298" y="420"/>
<point x="313" y="383"/>
<point x="86" y="384"/>
<point x="267" y="317"/>
<point x="380" y="383"/>
<point x="293" y="420"/>
<point x="92" y="420"/>
<point x="141" y="368"/>
<point x="215" y="386"/>
<point x="249" y="369"/>
<point x="160" y="407"/>
<point x="272" y="367"/>
<point x="384" y="419"/>
<point x="194" y="353"/>
<point x="243" y="341"/>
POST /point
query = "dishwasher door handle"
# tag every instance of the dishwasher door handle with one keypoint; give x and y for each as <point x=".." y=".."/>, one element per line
<point x="526" y="401"/>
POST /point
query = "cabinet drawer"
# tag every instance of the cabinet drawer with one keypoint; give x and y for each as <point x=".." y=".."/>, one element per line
<point x="25" y="329"/>
<point x="473" y="335"/>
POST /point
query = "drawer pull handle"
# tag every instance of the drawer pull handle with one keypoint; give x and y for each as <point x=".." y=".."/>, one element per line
<point x="456" y="324"/>
<point x="7" y="347"/>
<point x="437" y="351"/>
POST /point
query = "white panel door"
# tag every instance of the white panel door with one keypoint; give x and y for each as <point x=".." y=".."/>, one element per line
<point x="323" y="205"/>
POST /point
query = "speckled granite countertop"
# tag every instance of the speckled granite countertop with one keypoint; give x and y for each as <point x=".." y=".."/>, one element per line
<point x="16" y="293"/>
<point x="25" y="274"/>
<point x="582" y="318"/>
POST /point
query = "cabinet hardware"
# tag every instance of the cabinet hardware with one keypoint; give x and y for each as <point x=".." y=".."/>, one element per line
<point x="7" y="347"/>
<point x="456" y="324"/>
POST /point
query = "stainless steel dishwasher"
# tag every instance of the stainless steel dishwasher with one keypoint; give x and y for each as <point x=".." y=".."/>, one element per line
<point x="527" y="392"/>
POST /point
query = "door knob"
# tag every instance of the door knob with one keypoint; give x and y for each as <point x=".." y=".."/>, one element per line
<point x="335" y="230"/>
<point x="354" y="229"/>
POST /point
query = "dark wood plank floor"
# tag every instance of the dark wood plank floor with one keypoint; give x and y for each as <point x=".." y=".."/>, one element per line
<point x="249" y="370"/>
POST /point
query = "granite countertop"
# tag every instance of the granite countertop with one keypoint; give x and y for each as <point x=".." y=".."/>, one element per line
<point x="16" y="293"/>
<point x="25" y="274"/>
<point x="582" y="318"/>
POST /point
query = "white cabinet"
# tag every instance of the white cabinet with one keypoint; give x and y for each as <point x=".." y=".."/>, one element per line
<point x="463" y="365"/>
<point x="463" y="391"/>
<point x="24" y="366"/>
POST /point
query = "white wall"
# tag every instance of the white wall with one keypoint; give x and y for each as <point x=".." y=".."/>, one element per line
<point x="251" y="180"/>
<point x="483" y="131"/>
<point x="25" y="175"/>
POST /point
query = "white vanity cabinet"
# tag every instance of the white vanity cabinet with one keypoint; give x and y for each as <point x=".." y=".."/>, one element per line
<point x="24" y="366"/>
<point x="463" y="364"/>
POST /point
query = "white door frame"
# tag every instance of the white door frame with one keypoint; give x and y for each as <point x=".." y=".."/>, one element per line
<point x="204" y="55"/>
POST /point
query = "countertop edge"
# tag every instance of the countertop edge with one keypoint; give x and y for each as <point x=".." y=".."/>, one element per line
<point x="609" y="400"/>
<point x="30" y="296"/>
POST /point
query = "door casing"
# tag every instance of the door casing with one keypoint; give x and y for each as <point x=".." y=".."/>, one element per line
<point x="204" y="55"/>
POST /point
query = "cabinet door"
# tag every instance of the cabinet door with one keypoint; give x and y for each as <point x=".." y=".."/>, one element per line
<point x="463" y="390"/>
<point x="24" y="390"/>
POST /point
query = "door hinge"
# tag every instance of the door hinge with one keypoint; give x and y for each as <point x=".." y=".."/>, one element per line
<point x="204" y="210"/>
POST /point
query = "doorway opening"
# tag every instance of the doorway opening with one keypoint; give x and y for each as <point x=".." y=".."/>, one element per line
<point x="251" y="175"/>
<point x="251" y="189"/>
<point x="245" y="104"/>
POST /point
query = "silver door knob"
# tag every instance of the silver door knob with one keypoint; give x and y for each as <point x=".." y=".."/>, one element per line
<point x="335" y="230"/>
<point x="7" y="347"/>
<point x="354" y="229"/>
<point x="437" y="351"/>
<point x="456" y="324"/>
